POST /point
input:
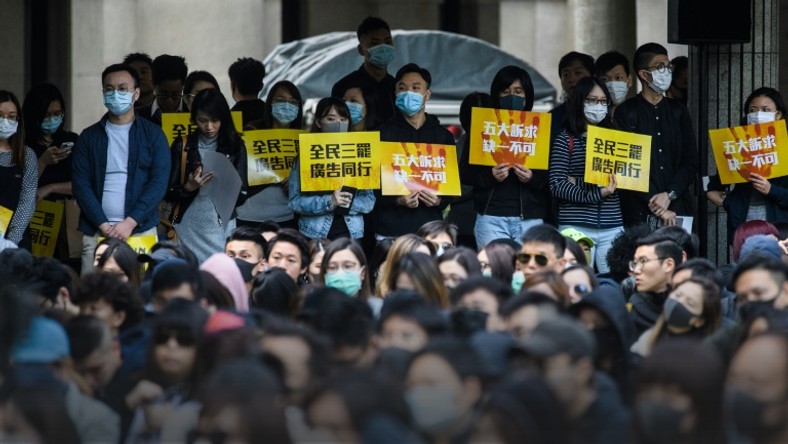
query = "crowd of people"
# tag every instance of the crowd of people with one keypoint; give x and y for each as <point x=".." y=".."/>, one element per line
<point x="533" y="308"/>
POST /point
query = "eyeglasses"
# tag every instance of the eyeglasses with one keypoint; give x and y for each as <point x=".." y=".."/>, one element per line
<point x="594" y="101"/>
<point x="57" y="114"/>
<point x="183" y="338"/>
<point x="634" y="265"/>
<point x="295" y="102"/>
<point x="122" y="90"/>
<point x="525" y="258"/>
<point x="169" y="96"/>
<point x="661" y="67"/>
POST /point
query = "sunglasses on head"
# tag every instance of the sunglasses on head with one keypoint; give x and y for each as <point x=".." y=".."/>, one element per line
<point x="582" y="289"/>
<point x="183" y="338"/>
<point x="525" y="258"/>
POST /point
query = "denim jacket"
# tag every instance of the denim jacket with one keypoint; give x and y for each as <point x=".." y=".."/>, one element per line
<point x="316" y="214"/>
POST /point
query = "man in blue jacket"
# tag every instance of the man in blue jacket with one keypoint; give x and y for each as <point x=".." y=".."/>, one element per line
<point x="121" y="166"/>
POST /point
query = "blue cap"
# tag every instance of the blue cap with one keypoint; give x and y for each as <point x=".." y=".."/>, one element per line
<point x="45" y="342"/>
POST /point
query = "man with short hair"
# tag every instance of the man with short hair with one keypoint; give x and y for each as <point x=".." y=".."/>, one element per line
<point x="542" y="249"/>
<point x="572" y="67"/>
<point x="563" y="351"/>
<point x="246" y="80"/>
<point x="249" y="245"/>
<point x="394" y="216"/>
<point x="120" y="168"/>
<point x="289" y="251"/>
<point x="673" y="164"/>
<point x="441" y="233"/>
<point x="376" y="46"/>
<point x="653" y="264"/>
<point x="143" y="64"/>
<point x="169" y="75"/>
<point x="174" y="278"/>
<point x="613" y="67"/>
<point x="757" y="390"/>
<point x="761" y="279"/>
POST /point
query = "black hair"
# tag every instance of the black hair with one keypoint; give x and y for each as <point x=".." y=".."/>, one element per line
<point x="168" y="276"/>
<point x="577" y="251"/>
<point x="324" y="107"/>
<point x="459" y="354"/>
<point x="199" y="76"/>
<point x="124" y="256"/>
<point x="573" y="56"/>
<point x="212" y="102"/>
<point x="17" y="140"/>
<point x="408" y="304"/>
<point x="138" y="57"/>
<point x="575" y="121"/>
<point x="169" y="67"/>
<point x="378" y="256"/>
<point x="761" y="261"/>
<point x="473" y="100"/>
<point x="35" y="108"/>
<point x="51" y="275"/>
<point x="245" y="233"/>
<point x="180" y="250"/>
<point x="689" y="243"/>
<point x="623" y="249"/>
<point x="645" y="53"/>
<point x="275" y="291"/>
<point x="765" y="91"/>
<point x="268" y="225"/>
<point x="700" y="266"/>
<point x="504" y="78"/>
<point x="495" y="287"/>
<point x="528" y="297"/>
<point x="294" y="237"/>
<point x="610" y="60"/>
<point x="435" y="227"/>
<point x="680" y="64"/>
<point x="587" y="270"/>
<point x="267" y="121"/>
<point x="247" y="74"/>
<point x="213" y="292"/>
<point x="547" y="234"/>
<point x="465" y="257"/>
<point x="346" y="321"/>
<point x="346" y="243"/>
<point x="425" y="275"/>
<point x="120" y="67"/>
<point x="319" y="345"/>
<point x="99" y="285"/>
<point x="86" y="335"/>
<point x="371" y="118"/>
<point x="501" y="258"/>
<point x="412" y="67"/>
<point x="664" y="247"/>
<point x="371" y="24"/>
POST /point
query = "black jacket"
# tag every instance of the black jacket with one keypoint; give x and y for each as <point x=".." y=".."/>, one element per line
<point x="646" y="308"/>
<point x="737" y="201"/>
<point x="393" y="220"/>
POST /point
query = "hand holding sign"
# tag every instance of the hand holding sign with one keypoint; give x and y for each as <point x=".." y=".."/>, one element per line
<point x="429" y="199"/>
<point x="524" y="175"/>
<point x="610" y="188"/>
<point x="500" y="172"/>
<point x="760" y="184"/>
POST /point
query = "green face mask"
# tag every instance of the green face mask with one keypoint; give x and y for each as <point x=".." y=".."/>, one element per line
<point x="518" y="279"/>
<point x="347" y="281"/>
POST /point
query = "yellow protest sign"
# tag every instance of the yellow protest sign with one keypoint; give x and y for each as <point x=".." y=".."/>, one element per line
<point x="408" y="167"/>
<point x="331" y="160"/>
<point x="270" y="154"/>
<point x="177" y="125"/>
<point x="140" y="243"/>
<point x="743" y="150"/>
<point x="506" y="136"/>
<point x="627" y="155"/>
<point x="5" y="219"/>
<point x="45" y="227"/>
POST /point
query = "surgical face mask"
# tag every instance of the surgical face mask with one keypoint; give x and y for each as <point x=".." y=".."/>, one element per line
<point x="747" y="413"/>
<point x="347" y="281"/>
<point x="51" y="124"/>
<point x="432" y="408"/>
<point x="660" y="423"/>
<point x="595" y="113"/>
<point x="284" y="112"/>
<point x="618" y="89"/>
<point x="409" y="102"/>
<point x="518" y="279"/>
<point x="335" y="126"/>
<point x="356" y="112"/>
<point x="119" y="103"/>
<point x="487" y="273"/>
<point x="660" y="81"/>
<point x="513" y="102"/>
<point x="381" y="55"/>
<point x="676" y="314"/>
<point x="7" y="128"/>
<point x="760" y="117"/>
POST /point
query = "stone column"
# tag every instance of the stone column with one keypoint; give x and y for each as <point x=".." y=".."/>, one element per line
<point x="13" y="70"/>
<point x="721" y="78"/>
<point x="597" y="26"/>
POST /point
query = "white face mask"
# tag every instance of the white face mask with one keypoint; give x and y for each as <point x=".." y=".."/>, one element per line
<point x="660" y="80"/>
<point x="7" y="128"/>
<point x="618" y="89"/>
<point x="760" y="117"/>
<point x="594" y="113"/>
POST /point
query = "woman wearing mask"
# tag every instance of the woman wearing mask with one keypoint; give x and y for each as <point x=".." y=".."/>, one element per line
<point x="283" y="110"/>
<point x="508" y="198"/>
<point x="692" y="310"/>
<point x="317" y="211"/>
<point x="344" y="267"/>
<point x="44" y="110"/>
<point x="18" y="173"/>
<point x="360" y="100"/>
<point x="592" y="209"/>
<point x="758" y="198"/>
<point x="194" y="215"/>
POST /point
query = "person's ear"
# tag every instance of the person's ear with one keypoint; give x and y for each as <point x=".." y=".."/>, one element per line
<point x="361" y="51"/>
<point x="669" y="265"/>
<point x="778" y="115"/>
<point x="630" y="81"/>
<point x="427" y="95"/>
<point x="363" y="273"/>
<point x="117" y="319"/>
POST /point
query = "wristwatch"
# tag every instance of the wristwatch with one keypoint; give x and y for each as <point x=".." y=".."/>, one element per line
<point x="672" y="195"/>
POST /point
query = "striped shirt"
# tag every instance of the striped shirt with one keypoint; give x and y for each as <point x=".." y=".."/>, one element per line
<point x="579" y="203"/>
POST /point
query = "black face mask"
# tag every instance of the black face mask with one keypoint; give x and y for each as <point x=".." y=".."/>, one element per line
<point x="751" y="310"/>
<point x="676" y="314"/>
<point x="607" y="342"/>
<point x="660" y="423"/>
<point x="747" y="414"/>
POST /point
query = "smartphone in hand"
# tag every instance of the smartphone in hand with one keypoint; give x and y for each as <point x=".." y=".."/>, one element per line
<point x="67" y="146"/>
<point x="345" y="209"/>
